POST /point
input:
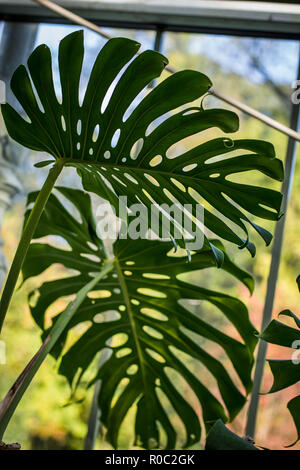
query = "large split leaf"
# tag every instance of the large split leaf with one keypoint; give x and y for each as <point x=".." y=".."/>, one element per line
<point x="145" y="299"/>
<point x="221" y="438"/>
<point x="286" y="372"/>
<point x="118" y="150"/>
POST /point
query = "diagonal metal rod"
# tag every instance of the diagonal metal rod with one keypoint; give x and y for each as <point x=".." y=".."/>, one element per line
<point x="274" y="268"/>
<point x="236" y="104"/>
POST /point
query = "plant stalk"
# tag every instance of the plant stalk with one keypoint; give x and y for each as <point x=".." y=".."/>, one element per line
<point x="26" y="238"/>
<point x="14" y="395"/>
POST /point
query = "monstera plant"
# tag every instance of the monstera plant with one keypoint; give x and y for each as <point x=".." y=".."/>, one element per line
<point x="122" y="149"/>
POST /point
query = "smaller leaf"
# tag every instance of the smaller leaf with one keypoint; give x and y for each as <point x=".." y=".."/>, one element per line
<point x="285" y="373"/>
<point x="279" y="333"/>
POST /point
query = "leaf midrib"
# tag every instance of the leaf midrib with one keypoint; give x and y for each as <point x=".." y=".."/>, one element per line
<point x="132" y="324"/>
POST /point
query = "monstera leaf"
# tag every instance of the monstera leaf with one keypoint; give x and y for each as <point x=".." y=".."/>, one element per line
<point x="145" y="298"/>
<point x="122" y="149"/>
<point x="286" y="372"/>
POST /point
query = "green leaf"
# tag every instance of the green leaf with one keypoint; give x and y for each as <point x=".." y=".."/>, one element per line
<point x="279" y="333"/>
<point x="294" y="408"/>
<point x="221" y="438"/>
<point x="286" y="372"/>
<point x="116" y="149"/>
<point x="16" y="392"/>
<point x="146" y="299"/>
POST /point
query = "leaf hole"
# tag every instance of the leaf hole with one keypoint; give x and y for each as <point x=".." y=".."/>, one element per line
<point x="156" y="276"/>
<point x="119" y="181"/>
<point x="170" y="195"/>
<point x="91" y="257"/>
<point x="152" y="332"/>
<point x="130" y="178"/>
<point x="99" y="294"/>
<point x="123" y="352"/>
<point x="106" y="316"/>
<point x="190" y="167"/>
<point x="178" y="185"/>
<point x="152" y="313"/>
<point x="152" y="179"/>
<point x="92" y="246"/>
<point x="79" y="126"/>
<point x="119" y="340"/>
<point x="115" y="138"/>
<point x="96" y="133"/>
<point x="151" y="293"/>
<point x="157" y="357"/>
<point x="155" y="161"/>
<point x="63" y="123"/>
<point x="132" y="370"/>
<point x="136" y="148"/>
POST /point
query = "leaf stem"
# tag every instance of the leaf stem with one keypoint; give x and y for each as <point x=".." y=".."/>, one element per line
<point x="14" y="395"/>
<point x="26" y="237"/>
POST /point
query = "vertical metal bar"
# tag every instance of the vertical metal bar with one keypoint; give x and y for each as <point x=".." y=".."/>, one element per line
<point x="275" y="263"/>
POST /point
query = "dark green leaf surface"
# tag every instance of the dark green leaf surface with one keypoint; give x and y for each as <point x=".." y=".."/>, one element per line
<point x="221" y="438"/>
<point x="141" y="299"/>
<point x="286" y="372"/>
<point x="116" y="149"/>
<point x="279" y="333"/>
